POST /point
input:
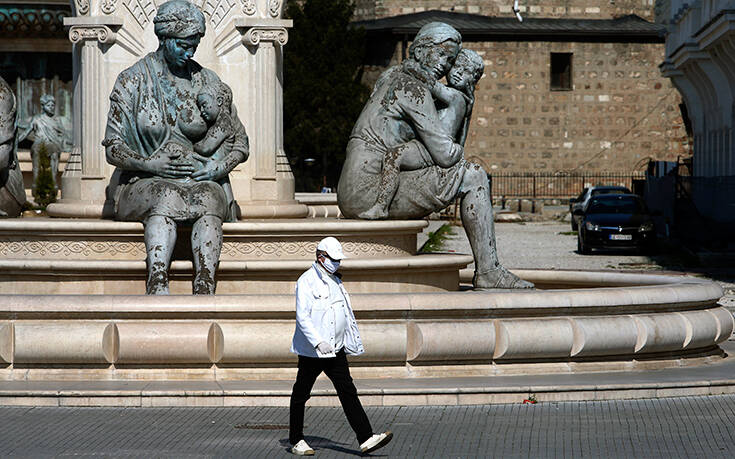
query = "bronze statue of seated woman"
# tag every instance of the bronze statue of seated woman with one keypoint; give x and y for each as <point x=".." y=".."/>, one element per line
<point x="152" y="127"/>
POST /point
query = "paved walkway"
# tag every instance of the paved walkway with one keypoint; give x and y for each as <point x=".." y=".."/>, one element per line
<point x="686" y="427"/>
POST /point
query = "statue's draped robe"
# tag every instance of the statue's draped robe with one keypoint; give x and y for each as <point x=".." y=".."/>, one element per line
<point x="400" y="109"/>
<point x="12" y="194"/>
<point x="145" y="113"/>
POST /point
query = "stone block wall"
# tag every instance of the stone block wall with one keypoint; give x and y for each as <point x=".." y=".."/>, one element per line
<point x="600" y="9"/>
<point x="620" y="111"/>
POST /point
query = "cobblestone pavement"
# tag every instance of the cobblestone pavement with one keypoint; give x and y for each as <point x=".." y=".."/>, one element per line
<point x="686" y="427"/>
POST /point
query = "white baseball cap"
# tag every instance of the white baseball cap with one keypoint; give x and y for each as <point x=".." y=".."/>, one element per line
<point x="332" y="247"/>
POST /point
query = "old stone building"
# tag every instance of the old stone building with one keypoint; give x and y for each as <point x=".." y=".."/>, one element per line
<point x="575" y="87"/>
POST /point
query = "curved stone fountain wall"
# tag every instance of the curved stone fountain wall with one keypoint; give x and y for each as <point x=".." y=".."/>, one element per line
<point x="609" y="321"/>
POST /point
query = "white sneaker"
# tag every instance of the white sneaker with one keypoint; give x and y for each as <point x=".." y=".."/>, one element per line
<point x="376" y="441"/>
<point x="302" y="449"/>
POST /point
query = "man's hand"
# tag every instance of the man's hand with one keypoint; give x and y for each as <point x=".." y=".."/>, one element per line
<point x="324" y="348"/>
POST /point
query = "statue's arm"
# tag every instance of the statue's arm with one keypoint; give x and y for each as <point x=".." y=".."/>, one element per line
<point x="422" y="114"/>
<point x="27" y="131"/>
<point x="120" y="127"/>
<point x="241" y="145"/>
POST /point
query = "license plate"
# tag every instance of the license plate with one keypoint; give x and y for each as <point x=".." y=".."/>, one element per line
<point x="621" y="237"/>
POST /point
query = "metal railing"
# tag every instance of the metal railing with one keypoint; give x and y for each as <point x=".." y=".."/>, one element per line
<point x="534" y="185"/>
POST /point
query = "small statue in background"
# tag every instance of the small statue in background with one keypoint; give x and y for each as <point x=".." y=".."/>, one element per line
<point x="47" y="130"/>
<point x="12" y="195"/>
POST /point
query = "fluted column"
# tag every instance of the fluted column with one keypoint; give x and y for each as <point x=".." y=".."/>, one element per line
<point x="271" y="193"/>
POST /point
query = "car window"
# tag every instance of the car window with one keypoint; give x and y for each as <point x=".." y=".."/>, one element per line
<point x="610" y="191"/>
<point x="627" y="205"/>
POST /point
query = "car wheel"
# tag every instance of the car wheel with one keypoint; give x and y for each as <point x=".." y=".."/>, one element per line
<point x="581" y="246"/>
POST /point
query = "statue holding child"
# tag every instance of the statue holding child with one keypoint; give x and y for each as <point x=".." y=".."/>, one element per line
<point x="405" y="155"/>
<point x="174" y="136"/>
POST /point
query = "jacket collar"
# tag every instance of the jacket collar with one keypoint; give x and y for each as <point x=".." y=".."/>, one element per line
<point x="323" y="274"/>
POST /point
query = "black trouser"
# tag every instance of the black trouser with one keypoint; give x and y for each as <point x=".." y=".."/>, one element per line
<point x="337" y="370"/>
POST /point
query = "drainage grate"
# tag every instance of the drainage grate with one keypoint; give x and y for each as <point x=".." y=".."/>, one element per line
<point x="262" y="426"/>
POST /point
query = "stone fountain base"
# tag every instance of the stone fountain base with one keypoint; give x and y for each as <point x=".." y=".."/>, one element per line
<point x="65" y="256"/>
<point x="608" y="322"/>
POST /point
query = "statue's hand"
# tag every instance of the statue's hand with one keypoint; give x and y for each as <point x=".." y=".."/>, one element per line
<point x="212" y="170"/>
<point x="163" y="165"/>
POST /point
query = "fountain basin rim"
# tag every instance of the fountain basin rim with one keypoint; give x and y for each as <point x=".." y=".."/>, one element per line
<point x="681" y="293"/>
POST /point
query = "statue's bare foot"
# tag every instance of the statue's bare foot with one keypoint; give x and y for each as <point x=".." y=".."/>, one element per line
<point x="499" y="278"/>
<point x="377" y="212"/>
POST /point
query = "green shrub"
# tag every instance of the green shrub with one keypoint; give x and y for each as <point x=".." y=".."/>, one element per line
<point x="436" y="239"/>
<point x="45" y="193"/>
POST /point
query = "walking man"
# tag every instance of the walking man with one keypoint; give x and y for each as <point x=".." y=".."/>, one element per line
<point x="326" y="331"/>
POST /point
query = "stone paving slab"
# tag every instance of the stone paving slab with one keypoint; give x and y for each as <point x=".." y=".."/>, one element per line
<point x="685" y="427"/>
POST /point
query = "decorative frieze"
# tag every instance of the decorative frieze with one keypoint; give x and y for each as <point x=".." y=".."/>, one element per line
<point x="274" y="8"/>
<point x="33" y="22"/>
<point x="249" y="7"/>
<point x="141" y="10"/>
<point x="82" y="6"/>
<point x="109" y="6"/>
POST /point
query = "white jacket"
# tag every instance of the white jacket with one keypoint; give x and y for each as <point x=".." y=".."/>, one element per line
<point x="315" y="317"/>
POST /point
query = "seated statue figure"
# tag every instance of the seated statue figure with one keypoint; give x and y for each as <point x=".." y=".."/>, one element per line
<point x="152" y="127"/>
<point x="12" y="194"/>
<point x="45" y="130"/>
<point x="402" y="109"/>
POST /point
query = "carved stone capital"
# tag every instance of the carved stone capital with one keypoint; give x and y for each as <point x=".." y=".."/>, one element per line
<point x="101" y="33"/>
<point x="258" y="34"/>
<point x="253" y="31"/>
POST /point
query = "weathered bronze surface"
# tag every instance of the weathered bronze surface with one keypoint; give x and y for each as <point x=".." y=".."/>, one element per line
<point x="405" y="158"/>
<point x="12" y="195"/>
<point x="173" y="150"/>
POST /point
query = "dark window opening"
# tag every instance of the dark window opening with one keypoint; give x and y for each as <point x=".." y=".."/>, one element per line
<point x="561" y="71"/>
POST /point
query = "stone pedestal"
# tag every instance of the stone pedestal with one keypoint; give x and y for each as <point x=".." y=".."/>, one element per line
<point x="243" y="45"/>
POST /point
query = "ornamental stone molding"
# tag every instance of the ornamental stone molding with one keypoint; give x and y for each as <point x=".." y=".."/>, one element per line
<point x="274" y="8"/>
<point x="109" y="6"/>
<point x="255" y="35"/>
<point x="249" y="7"/>
<point x="82" y="6"/>
<point x="33" y="22"/>
<point x="101" y="33"/>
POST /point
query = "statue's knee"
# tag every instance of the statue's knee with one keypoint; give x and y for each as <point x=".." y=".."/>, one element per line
<point x="476" y="175"/>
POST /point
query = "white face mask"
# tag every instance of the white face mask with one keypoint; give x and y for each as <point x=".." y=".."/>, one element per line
<point x="330" y="266"/>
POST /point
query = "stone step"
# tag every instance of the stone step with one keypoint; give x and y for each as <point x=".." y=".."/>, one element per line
<point x="713" y="379"/>
<point x="87" y="239"/>
<point x="407" y="274"/>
